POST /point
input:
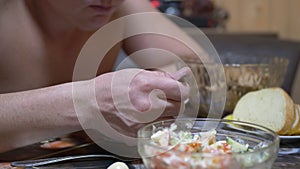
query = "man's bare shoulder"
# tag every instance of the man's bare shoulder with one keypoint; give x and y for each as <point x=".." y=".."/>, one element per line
<point x="19" y="32"/>
<point x="3" y="3"/>
<point x="16" y="23"/>
<point x="5" y="21"/>
<point x="7" y="6"/>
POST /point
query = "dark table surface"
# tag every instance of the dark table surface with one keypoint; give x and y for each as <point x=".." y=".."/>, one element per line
<point x="288" y="156"/>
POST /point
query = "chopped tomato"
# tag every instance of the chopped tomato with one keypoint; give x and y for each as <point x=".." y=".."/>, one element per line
<point x="59" y="144"/>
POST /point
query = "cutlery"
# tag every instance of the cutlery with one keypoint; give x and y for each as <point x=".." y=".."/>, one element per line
<point x="45" y="161"/>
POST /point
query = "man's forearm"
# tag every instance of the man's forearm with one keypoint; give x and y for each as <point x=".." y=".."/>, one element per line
<point x="31" y="116"/>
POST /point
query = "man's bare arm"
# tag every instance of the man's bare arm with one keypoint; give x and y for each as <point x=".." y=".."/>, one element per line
<point x="175" y="40"/>
<point x="31" y="116"/>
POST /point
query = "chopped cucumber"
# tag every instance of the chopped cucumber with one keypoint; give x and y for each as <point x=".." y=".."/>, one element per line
<point x="236" y="146"/>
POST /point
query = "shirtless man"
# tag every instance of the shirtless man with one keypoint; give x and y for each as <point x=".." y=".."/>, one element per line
<point x="40" y="42"/>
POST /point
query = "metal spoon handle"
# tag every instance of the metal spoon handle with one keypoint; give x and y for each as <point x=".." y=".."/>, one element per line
<point x="45" y="161"/>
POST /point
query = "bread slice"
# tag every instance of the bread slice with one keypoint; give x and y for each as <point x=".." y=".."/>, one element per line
<point x="271" y="107"/>
<point x="296" y="126"/>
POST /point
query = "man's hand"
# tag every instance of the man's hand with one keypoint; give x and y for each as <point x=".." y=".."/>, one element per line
<point x="131" y="98"/>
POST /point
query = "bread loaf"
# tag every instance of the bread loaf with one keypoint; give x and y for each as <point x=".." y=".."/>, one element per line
<point x="272" y="108"/>
<point x="296" y="126"/>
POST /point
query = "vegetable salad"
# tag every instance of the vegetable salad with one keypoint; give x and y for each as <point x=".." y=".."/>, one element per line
<point x="186" y="150"/>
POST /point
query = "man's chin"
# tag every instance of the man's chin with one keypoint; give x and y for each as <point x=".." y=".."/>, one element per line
<point x="95" y="23"/>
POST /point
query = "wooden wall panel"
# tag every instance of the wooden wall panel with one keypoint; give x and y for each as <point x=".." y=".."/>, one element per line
<point x="281" y="16"/>
<point x="255" y="15"/>
<point x="233" y="7"/>
<point x="279" y="21"/>
<point x="294" y="20"/>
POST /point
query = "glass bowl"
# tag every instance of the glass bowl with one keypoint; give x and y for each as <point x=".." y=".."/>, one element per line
<point x="264" y="145"/>
<point x="243" y="73"/>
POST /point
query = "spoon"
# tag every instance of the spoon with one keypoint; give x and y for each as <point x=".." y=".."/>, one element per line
<point x="45" y="161"/>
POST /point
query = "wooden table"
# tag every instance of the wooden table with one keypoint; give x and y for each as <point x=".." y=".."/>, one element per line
<point x="288" y="157"/>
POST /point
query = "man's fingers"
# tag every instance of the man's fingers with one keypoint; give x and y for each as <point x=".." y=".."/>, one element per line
<point x="183" y="72"/>
<point x="173" y="108"/>
<point x="172" y="87"/>
<point x="173" y="90"/>
<point x="176" y="90"/>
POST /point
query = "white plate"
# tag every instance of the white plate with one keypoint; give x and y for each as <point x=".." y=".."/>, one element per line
<point x="290" y="137"/>
<point x="286" y="139"/>
<point x="230" y="117"/>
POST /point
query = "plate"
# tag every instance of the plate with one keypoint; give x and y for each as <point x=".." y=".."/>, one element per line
<point x="228" y="117"/>
<point x="236" y="127"/>
<point x="289" y="139"/>
<point x="284" y="139"/>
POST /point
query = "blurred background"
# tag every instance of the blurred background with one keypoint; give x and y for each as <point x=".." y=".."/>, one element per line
<point x="258" y="27"/>
<point x="264" y="16"/>
<point x="202" y="13"/>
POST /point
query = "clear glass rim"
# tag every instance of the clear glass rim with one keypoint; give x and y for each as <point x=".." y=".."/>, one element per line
<point x="246" y="61"/>
<point x="259" y="127"/>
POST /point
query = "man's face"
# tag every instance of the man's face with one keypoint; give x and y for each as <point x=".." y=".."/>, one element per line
<point x="86" y="14"/>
